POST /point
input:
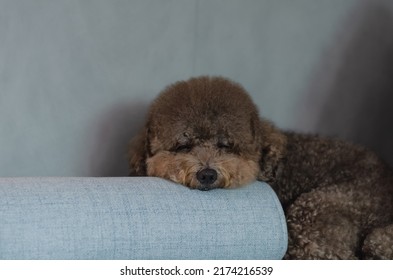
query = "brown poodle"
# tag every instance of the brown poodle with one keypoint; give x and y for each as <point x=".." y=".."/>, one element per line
<point x="206" y="133"/>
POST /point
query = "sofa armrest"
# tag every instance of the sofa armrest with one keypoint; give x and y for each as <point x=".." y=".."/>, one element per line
<point x="137" y="218"/>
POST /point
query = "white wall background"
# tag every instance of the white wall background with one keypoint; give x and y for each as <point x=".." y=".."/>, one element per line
<point x="77" y="76"/>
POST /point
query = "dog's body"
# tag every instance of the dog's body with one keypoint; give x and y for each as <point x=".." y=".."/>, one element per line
<point x="206" y="133"/>
<point x="334" y="194"/>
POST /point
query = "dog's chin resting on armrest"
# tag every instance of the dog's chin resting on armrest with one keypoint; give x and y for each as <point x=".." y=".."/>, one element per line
<point x="206" y="133"/>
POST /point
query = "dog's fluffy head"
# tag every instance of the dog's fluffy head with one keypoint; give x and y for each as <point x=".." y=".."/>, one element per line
<point x="205" y="133"/>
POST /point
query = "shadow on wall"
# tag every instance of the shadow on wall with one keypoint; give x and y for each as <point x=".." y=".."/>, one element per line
<point x="358" y="104"/>
<point x="108" y="155"/>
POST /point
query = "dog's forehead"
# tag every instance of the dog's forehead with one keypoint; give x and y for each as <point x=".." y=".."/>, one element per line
<point x="201" y="132"/>
<point x="199" y="127"/>
<point x="204" y="129"/>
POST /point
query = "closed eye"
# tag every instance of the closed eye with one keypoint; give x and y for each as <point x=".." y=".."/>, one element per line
<point x="185" y="148"/>
<point x="223" y="145"/>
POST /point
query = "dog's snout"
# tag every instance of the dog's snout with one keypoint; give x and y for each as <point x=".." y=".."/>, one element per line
<point x="207" y="176"/>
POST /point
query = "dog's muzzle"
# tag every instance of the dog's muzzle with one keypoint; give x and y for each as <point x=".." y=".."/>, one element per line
<point x="206" y="177"/>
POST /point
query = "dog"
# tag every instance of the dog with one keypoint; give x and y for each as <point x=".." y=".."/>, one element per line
<point x="206" y="133"/>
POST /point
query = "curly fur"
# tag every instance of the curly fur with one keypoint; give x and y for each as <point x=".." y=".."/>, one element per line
<point x="338" y="197"/>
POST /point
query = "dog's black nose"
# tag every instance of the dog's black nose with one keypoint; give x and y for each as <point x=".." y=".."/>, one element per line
<point x="207" y="176"/>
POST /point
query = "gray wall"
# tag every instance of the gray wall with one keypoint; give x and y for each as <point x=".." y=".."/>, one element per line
<point x="76" y="77"/>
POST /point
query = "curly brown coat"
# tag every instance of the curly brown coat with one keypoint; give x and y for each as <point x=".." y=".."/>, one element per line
<point x="206" y="133"/>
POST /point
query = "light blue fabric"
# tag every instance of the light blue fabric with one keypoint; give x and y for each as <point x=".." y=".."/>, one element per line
<point x="137" y="218"/>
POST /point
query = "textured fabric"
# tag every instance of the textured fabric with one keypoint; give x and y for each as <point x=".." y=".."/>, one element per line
<point x="137" y="218"/>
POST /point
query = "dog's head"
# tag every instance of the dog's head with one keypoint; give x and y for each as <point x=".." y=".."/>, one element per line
<point x="205" y="133"/>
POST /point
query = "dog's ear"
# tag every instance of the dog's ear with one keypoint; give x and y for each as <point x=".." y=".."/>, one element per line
<point x="272" y="150"/>
<point x="138" y="152"/>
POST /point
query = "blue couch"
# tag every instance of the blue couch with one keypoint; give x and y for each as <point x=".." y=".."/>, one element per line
<point x="137" y="218"/>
